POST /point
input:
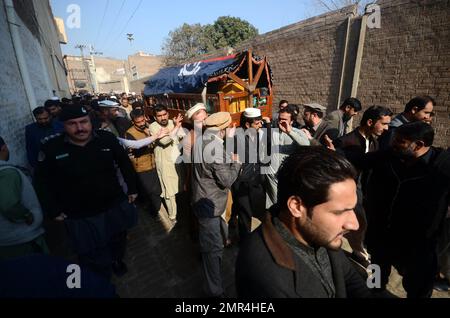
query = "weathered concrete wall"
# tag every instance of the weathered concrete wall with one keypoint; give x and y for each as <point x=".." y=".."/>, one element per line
<point x="15" y="111"/>
<point x="15" y="108"/>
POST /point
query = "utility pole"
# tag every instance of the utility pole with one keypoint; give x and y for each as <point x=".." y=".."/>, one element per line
<point x="92" y="52"/>
<point x="130" y="38"/>
<point x="82" y="47"/>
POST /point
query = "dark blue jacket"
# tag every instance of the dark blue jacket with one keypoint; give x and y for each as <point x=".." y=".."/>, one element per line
<point x="34" y="134"/>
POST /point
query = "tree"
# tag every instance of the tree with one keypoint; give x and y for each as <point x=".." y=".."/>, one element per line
<point x="183" y="43"/>
<point x="228" y="32"/>
<point x="189" y="41"/>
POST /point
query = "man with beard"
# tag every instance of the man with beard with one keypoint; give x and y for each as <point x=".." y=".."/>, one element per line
<point x="143" y="160"/>
<point x="285" y="141"/>
<point x="339" y="119"/>
<point x="166" y="154"/>
<point x="36" y="132"/>
<point x="315" y="127"/>
<point x="214" y="172"/>
<point x="77" y="183"/>
<point x="126" y="107"/>
<point x="406" y="203"/>
<point x="112" y="120"/>
<point x="296" y="252"/>
<point x="249" y="194"/>
<point x="419" y="108"/>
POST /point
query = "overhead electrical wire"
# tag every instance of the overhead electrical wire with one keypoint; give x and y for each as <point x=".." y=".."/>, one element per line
<point x="126" y="24"/>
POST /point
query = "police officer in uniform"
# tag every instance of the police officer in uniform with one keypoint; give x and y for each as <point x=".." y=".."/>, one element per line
<point x="77" y="183"/>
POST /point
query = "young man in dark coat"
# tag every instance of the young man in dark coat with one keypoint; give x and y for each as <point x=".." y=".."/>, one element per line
<point x="296" y="252"/>
<point x="354" y="145"/>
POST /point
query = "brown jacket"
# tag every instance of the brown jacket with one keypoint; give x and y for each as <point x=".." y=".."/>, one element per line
<point x="143" y="159"/>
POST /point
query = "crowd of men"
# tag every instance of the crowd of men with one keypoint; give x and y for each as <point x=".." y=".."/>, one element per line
<point x="306" y="175"/>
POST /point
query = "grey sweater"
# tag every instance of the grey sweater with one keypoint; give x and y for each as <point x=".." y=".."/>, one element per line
<point x="14" y="233"/>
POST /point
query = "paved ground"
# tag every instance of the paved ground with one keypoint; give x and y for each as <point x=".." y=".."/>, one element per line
<point x="164" y="261"/>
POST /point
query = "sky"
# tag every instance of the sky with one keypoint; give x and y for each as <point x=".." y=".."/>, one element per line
<point x="105" y="23"/>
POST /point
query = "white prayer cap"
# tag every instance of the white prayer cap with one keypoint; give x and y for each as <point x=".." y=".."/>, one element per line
<point x="191" y="111"/>
<point x="252" y="113"/>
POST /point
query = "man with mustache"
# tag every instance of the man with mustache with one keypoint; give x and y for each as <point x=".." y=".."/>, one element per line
<point x="143" y="160"/>
<point x="166" y="154"/>
<point x="339" y="119"/>
<point x="419" y="108"/>
<point x="36" y="132"/>
<point x="296" y="252"/>
<point x="406" y="202"/>
<point x="77" y="183"/>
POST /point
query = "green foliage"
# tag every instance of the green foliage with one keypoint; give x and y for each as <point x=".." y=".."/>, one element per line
<point x="228" y="32"/>
<point x="183" y="43"/>
<point x="188" y="41"/>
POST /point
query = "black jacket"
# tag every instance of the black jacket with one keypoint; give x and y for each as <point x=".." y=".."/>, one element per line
<point x="406" y="205"/>
<point x="353" y="145"/>
<point x="82" y="181"/>
<point x="267" y="267"/>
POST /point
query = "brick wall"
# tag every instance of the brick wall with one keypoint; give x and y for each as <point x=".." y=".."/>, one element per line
<point x="408" y="56"/>
<point x="306" y="57"/>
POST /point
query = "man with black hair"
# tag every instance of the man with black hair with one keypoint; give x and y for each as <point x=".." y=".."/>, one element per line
<point x="406" y="201"/>
<point x="340" y="118"/>
<point x="363" y="139"/>
<point x="419" y="108"/>
<point x="125" y="108"/>
<point x="53" y="106"/>
<point x="143" y="160"/>
<point x="285" y="140"/>
<point x="354" y="145"/>
<point x="77" y="183"/>
<point x="36" y="132"/>
<point x="281" y="105"/>
<point x="296" y="252"/>
<point x="166" y="154"/>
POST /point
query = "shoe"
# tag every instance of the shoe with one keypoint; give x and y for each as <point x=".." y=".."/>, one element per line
<point x="119" y="268"/>
<point x="441" y="285"/>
